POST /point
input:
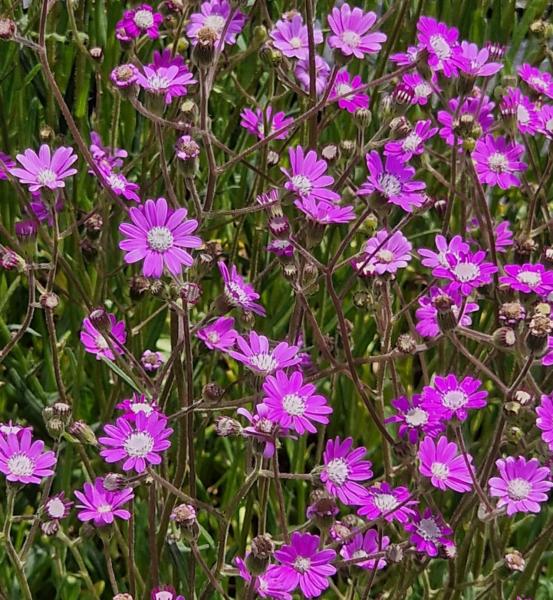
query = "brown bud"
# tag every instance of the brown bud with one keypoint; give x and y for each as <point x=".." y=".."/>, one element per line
<point x="96" y="54"/>
<point x="190" y="292"/>
<point x="100" y="319"/>
<point x="212" y="392"/>
<point x="406" y="344"/>
<point x="514" y="561"/>
<point x="49" y="300"/>
<point x="93" y="224"/>
<point x="227" y="427"/>
<point x="262" y="550"/>
<point x="7" y="28"/>
<point x="50" y="528"/>
<point x="504" y="337"/>
<point x="511" y="313"/>
<point x="394" y="553"/>
<point x="203" y="52"/>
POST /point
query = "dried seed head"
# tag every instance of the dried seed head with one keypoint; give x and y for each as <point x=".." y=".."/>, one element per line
<point x="212" y="392"/>
<point x="400" y="127"/>
<point x="539" y="329"/>
<point x="514" y="561"/>
<point x="138" y="286"/>
<point x="524" y="247"/>
<point x="100" y="319"/>
<point x="184" y="516"/>
<point x="330" y="152"/>
<point x="190" y="292"/>
<point x="50" y="528"/>
<point x="49" y="300"/>
<point x="511" y="313"/>
<point x="406" y="343"/>
<point x="394" y="553"/>
<point x="262" y="550"/>
<point x="7" y="29"/>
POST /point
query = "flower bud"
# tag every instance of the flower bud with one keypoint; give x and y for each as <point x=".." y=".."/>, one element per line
<point x="403" y="94"/>
<point x="212" y="393"/>
<point x="514" y="561"/>
<point x="96" y="54"/>
<point x="9" y="259"/>
<point x="83" y="433"/>
<point x="115" y="482"/>
<point x="446" y="318"/>
<point x="100" y="319"/>
<point x="347" y="147"/>
<point x="262" y="550"/>
<point x="138" y="286"/>
<point x="187" y="151"/>
<point x="123" y="597"/>
<point x="227" y="427"/>
<point x="50" y="528"/>
<point x="400" y="127"/>
<point x="203" y="53"/>
<point x="89" y="249"/>
<point x="362" y="117"/>
<point x="49" y="300"/>
<point x="394" y="553"/>
<point x="26" y="230"/>
<point x="504" y="337"/>
<point x="184" y="516"/>
<point x="87" y="530"/>
<point x="539" y="329"/>
<point x="259" y="35"/>
<point x="124" y="78"/>
<point x="322" y="510"/>
<point x="7" y="28"/>
<point x="62" y="411"/>
<point x="524" y="246"/>
<point x="54" y="425"/>
<point x="189" y="111"/>
<point x="93" y="225"/>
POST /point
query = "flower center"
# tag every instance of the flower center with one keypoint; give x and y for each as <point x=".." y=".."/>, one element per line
<point x="235" y="293"/>
<point x="385" y="502"/>
<point x="343" y="88"/>
<point x="359" y="554"/>
<point x="351" y="39"/>
<point x="385" y="256"/>
<point x="440" y="47"/>
<point x="390" y="185"/>
<point x="101" y="343"/>
<point x="264" y="362"/>
<point x="529" y="277"/>
<point x="302" y="184"/>
<point x="46" y="176"/>
<point x="160" y="239"/>
<point x="428" y="529"/>
<point x="139" y="444"/>
<point x="265" y="426"/>
<point x="440" y="470"/>
<point x="144" y="407"/>
<point x="519" y="489"/>
<point x="538" y="82"/>
<point x="144" y="19"/>
<point x="411" y="142"/>
<point x="498" y="162"/>
<point x="523" y="116"/>
<point x="302" y="564"/>
<point x="55" y="508"/>
<point x="158" y="83"/>
<point x="337" y="471"/>
<point x="104" y="508"/>
<point x="215" y="22"/>
<point x="454" y="399"/>
<point x="116" y="182"/>
<point x="213" y="337"/>
<point x="294" y="405"/>
<point x="422" y="90"/>
<point x="466" y="271"/>
<point x="21" y="464"/>
<point x="295" y="42"/>
<point x="416" y="417"/>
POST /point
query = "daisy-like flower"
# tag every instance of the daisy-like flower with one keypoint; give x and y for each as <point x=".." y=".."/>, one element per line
<point x="441" y="42"/>
<point x="151" y="360"/>
<point x="137" y="403"/>
<point x="256" y="354"/>
<point x="393" y="181"/>
<point x="413" y="143"/>
<point x="545" y="119"/>
<point x="303" y="564"/>
<point x="473" y="61"/>
<point x="325" y="213"/>
<point x="102" y="506"/>
<point x="170" y="81"/>
<point x="456" y="247"/>
<point x="137" y="443"/>
<point x="409" y="57"/>
<point x="496" y="161"/>
<point x="262" y="429"/>
<point x="544" y="422"/>
<point x="453" y="397"/>
<point x="294" y="404"/>
<point x="343" y="469"/>
<point x="476" y="108"/>
<point x="111" y="158"/>
<point x="322" y="72"/>
<point x="414" y="420"/>
<point x="159" y="236"/>
<point x="138" y="21"/>
<point x="467" y="272"/>
<point x="45" y="170"/>
<point x="364" y="545"/>
<point x="6" y="165"/>
<point x="444" y="466"/>
<point x="427" y="314"/>
<point x="13" y="428"/>
<point x="428" y="532"/>
<point x="350" y="31"/>
<point x="422" y="90"/>
<point x="383" y="501"/>
<point x="522" y="484"/>
<point x="290" y="37"/>
<point x="24" y="460"/>
<point x="254" y="122"/>
<point x="503" y="236"/>
<point x="266" y="585"/>
<point x="306" y="176"/>
<point x="121" y="186"/>
<point x="95" y="343"/>
<point x="239" y="293"/>
<point x="214" y="14"/>
<point x="219" y="335"/>
<point x="345" y="83"/>
<point x="165" y="592"/>
<point x="540" y="81"/>
<point x="57" y="507"/>
<point x="528" y="279"/>
<point x="514" y="104"/>
<point x="383" y="253"/>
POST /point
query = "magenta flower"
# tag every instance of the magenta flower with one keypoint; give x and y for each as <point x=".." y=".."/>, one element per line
<point x="303" y="565"/>
<point x="383" y="253"/>
<point x="266" y="585"/>
<point x="444" y="466"/>
<point x="165" y="592"/>
<point x="473" y="61"/>
<point x="282" y="248"/>
<point x="322" y="72"/>
<point x="515" y="104"/>
<point x="540" y="81"/>
<point x="294" y="404"/>
<point x="413" y="144"/>
<point x="166" y="77"/>
<point x="364" y="545"/>
<point x="121" y="186"/>
<point x="545" y="118"/>
<point x="323" y="212"/>
<point x="137" y="403"/>
<point x="57" y="507"/>
<point x="452" y="397"/>
<point x="95" y="343"/>
<point x="138" y="21"/>
<point x="343" y="468"/>
<point x="306" y="177"/>
<point x="496" y="161"/>
<point x="427" y="313"/>
<point x="528" y="279"/>
<point x="24" y="460"/>
<point x="456" y="247"/>
<point x="350" y="31"/>
<point x="393" y="182"/>
<point x="345" y="84"/>
<point x="262" y="429"/>
<point x="219" y="335"/>
<point x="138" y="443"/>
<point x="522" y="484"/>
<point x="214" y="14"/>
<point x="124" y="76"/>
<point x="6" y="165"/>
<point x="467" y="271"/>
<point x="254" y="122"/>
<point x="428" y="532"/>
<point x="45" y="169"/>
<point x="239" y="293"/>
<point x="544" y="422"/>
<point x="480" y="110"/>
<point x="503" y="236"/>
<point x="290" y="37"/>
<point x="159" y="236"/>
<point x="40" y="209"/>
<point x="257" y="355"/>
<point x="441" y="42"/>
<point x="110" y="158"/>
<point x="407" y="58"/>
<point x="101" y="506"/>
<point x="383" y="501"/>
<point x="422" y="90"/>
<point x="151" y="360"/>
<point x="414" y="420"/>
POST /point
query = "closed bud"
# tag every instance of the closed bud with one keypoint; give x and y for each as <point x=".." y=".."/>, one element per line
<point x="279" y="226"/>
<point x="362" y="117"/>
<point x="448" y="550"/>
<point x="504" y="337"/>
<point x="496" y="51"/>
<point x="138" y="286"/>
<point x="184" y="516"/>
<point x="115" y="482"/>
<point x="446" y="317"/>
<point x="100" y="319"/>
<point x="272" y="158"/>
<point x="10" y="260"/>
<point x="190" y="293"/>
<point x="7" y="28"/>
<point x="514" y="434"/>
<point x="212" y="393"/>
<point x="96" y="54"/>
<point x="26" y="230"/>
<point x="524" y="398"/>
<point x="361" y="299"/>
<point x="122" y="597"/>
<point x="469" y="144"/>
<point x="50" y="528"/>
<point x="512" y="410"/>
<point x="83" y="433"/>
<point x="340" y="532"/>
<point x="262" y="550"/>
<point x="290" y="271"/>
<point x="189" y="111"/>
<point x="330" y="152"/>
<point x="46" y="133"/>
<point x="394" y="553"/>
<point x="400" y="127"/>
<point x="93" y="225"/>
<point x="322" y="509"/>
<point x="62" y="411"/>
<point x="227" y="427"/>
<point x="203" y="53"/>
<point x="49" y="300"/>
<point x="259" y="35"/>
<point x="514" y="561"/>
<point x="524" y="246"/>
<point x="539" y="329"/>
<point x="403" y="94"/>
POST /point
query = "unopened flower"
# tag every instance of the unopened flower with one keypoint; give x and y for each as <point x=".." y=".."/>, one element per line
<point x="165" y="592"/>
<point x="45" y="169"/>
<point x="428" y="532"/>
<point x="124" y="76"/>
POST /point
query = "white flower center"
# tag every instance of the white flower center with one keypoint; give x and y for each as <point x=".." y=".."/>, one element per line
<point x="100" y="342"/>
<point x="498" y="162"/>
<point x="385" y="502"/>
<point x="46" y="176"/>
<point x="343" y="88"/>
<point x="281" y="244"/>
<point x="265" y="426"/>
<point x="213" y="337"/>
<point x="519" y="489"/>
<point x="529" y="277"/>
<point x="359" y="554"/>
<point x="385" y="256"/>
<point x="158" y="83"/>
<point x="440" y="46"/>
<point x="390" y="184"/>
<point x="104" y="508"/>
<point x="351" y="39"/>
<point x="302" y="564"/>
<point x="428" y="529"/>
<point x="337" y="471"/>
<point x="295" y="42"/>
<point x="55" y="508"/>
<point x="116" y="182"/>
<point x="416" y="417"/>
<point x="235" y="294"/>
<point x="160" y="239"/>
<point x="143" y="19"/>
<point x="265" y="363"/>
<point x="411" y="142"/>
<point x="139" y="444"/>
<point x="549" y="125"/>
<point x="164" y="596"/>
<point x="440" y="470"/>
<point x="466" y="271"/>
<point x="422" y="90"/>
<point x="302" y="184"/>
<point x="454" y="399"/>
<point x="538" y="82"/>
<point x="523" y="116"/>
<point x="294" y="405"/>
<point x="216" y="22"/>
<point x="144" y="407"/>
<point x="21" y="464"/>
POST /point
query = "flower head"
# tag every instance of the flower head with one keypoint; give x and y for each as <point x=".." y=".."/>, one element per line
<point x="138" y="21"/>
<point x="444" y="466"/>
<point x="345" y="84"/>
<point x="257" y="355"/>
<point x="528" y="279"/>
<point x="496" y="161"/>
<point x="306" y="176"/>
<point x="364" y="545"/>
<point x="383" y="253"/>
<point x="473" y="61"/>
<point x="391" y="504"/>
<point x="165" y="592"/>
<point x="453" y="397"/>
<point x="413" y="144"/>
<point x="323" y="212"/>
<point x="219" y="335"/>
<point x="215" y="15"/>
<point x="166" y="77"/>
<point x="120" y="185"/>
<point x="96" y="343"/>
<point x="151" y="360"/>
<point x="124" y="76"/>
<point x="57" y="507"/>
<point x="24" y="460"/>
<point x="322" y="72"/>
<point x="101" y="506"/>
<point x="266" y="585"/>
<point x="414" y="420"/>
<point x="422" y="90"/>
<point x="473" y="111"/>
<point x="429" y="532"/>
<point x="544" y="422"/>
<point x="456" y="247"/>
<point x="503" y="236"/>
<point x="545" y="120"/>
<point x="254" y="122"/>
<point x="290" y="37"/>
<point x="239" y="293"/>
<point x="112" y="158"/>
<point x="137" y="403"/>
<point x="467" y="272"/>
<point x="350" y="31"/>
<point x="539" y="81"/>
<point x="441" y="42"/>
<point x="45" y="170"/>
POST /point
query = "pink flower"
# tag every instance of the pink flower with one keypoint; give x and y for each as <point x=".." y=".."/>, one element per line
<point x="257" y="355"/>
<point x="166" y="76"/>
<point x="540" y="81"/>
<point x="262" y="429"/>
<point x="544" y="422"/>
<point x="428" y="532"/>
<point x="254" y="122"/>
<point x="444" y="466"/>
<point x="45" y="169"/>
<point x="24" y="460"/>
<point x="383" y="253"/>
<point x="545" y="117"/>
<point x="422" y="90"/>
<point x="306" y="177"/>
<point x="6" y="165"/>
<point x="112" y="158"/>
<point x="237" y="292"/>
<point x="413" y="143"/>
<point x="214" y="14"/>
<point x="350" y="31"/>
<point x="101" y="506"/>
<point x="390" y="504"/>
<point x="219" y="335"/>
<point x="323" y="212"/>
<point x="515" y="104"/>
<point x="322" y="71"/>
<point x="456" y="247"/>
<point x="503" y="236"/>
<point x="414" y="419"/>
<point x="57" y="507"/>
<point x="343" y="469"/>
<point x="441" y="43"/>
<point x="473" y="61"/>
<point x="409" y="57"/>
<point x="528" y="279"/>
<point x="496" y="161"/>
<point x="364" y="545"/>
<point x="345" y="84"/>
<point x="452" y="397"/>
<point x="290" y="37"/>
<point x="138" y="403"/>
<point x="467" y="272"/>
<point x="124" y="76"/>
<point x="266" y="585"/>
<point x="294" y="404"/>
<point x="95" y="343"/>
<point x="139" y="21"/>
<point x="159" y="236"/>
<point x="480" y="110"/>
<point x="121" y="186"/>
<point x="151" y="360"/>
<point x="522" y="484"/>
<point x="138" y="443"/>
